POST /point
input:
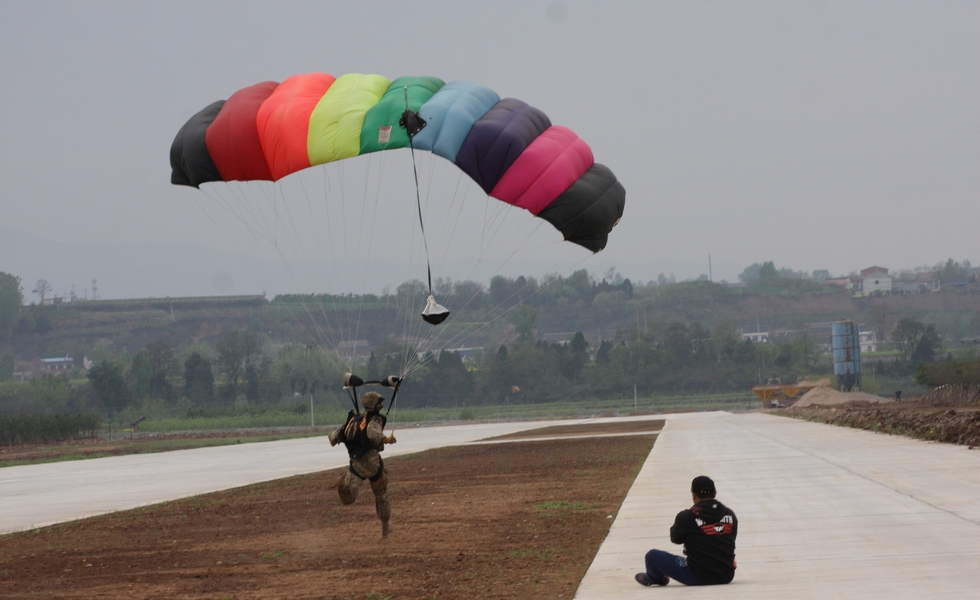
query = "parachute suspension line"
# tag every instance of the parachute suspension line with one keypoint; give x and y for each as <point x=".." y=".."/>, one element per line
<point x="245" y="211"/>
<point x="334" y="317"/>
<point x="498" y="313"/>
<point x="321" y="336"/>
<point x="391" y="403"/>
<point x="433" y="313"/>
<point x="370" y="245"/>
<point x="476" y="328"/>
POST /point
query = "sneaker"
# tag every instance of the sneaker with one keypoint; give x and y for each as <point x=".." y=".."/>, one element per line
<point x="644" y="579"/>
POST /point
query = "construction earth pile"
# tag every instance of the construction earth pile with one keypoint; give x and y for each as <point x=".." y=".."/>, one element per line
<point x="950" y="414"/>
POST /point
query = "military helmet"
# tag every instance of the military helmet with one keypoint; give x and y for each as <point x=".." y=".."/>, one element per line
<point x="372" y="401"/>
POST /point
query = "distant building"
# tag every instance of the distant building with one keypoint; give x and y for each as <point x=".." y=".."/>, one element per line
<point x="841" y="282"/>
<point x="57" y="365"/>
<point x="867" y="340"/>
<point x="875" y="280"/>
<point x="32" y="369"/>
<point x="467" y="354"/>
<point x="594" y="336"/>
<point x="919" y="283"/>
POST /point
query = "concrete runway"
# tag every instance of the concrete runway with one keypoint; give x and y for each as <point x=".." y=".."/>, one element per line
<point x="37" y="495"/>
<point x="823" y="511"/>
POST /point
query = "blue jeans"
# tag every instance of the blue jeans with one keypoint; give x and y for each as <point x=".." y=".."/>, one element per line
<point x="661" y="564"/>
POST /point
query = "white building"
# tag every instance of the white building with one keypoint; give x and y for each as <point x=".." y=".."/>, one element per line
<point x="867" y="341"/>
<point x="875" y="279"/>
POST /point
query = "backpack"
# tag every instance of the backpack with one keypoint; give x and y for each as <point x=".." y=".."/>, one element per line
<point x="354" y="434"/>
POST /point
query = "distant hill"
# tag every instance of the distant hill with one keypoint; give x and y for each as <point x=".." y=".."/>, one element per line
<point x="161" y="270"/>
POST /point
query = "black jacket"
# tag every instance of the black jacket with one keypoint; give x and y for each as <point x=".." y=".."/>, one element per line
<point x="708" y="531"/>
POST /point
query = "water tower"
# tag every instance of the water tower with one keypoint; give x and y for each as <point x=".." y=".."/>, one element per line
<point x="846" y="342"/>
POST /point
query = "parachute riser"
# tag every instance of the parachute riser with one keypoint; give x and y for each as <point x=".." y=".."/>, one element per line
<point x="394" y="393"/>
<point x="352" y="393"/>
<point x="353" y="382"/>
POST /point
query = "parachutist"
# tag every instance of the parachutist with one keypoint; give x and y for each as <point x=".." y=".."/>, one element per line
<point x="363" y="434"/>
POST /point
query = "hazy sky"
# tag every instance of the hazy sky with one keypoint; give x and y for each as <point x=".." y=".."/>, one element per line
<point x="821" y="135"/>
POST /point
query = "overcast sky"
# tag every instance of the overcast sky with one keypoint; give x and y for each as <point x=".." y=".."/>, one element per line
<point x="820" y="135"/>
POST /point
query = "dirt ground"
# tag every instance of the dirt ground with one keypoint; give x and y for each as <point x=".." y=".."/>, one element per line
<point x="520" y="519"/>
<point x="942" y="417"/>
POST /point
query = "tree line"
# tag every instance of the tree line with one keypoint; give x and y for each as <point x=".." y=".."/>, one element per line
<point x="659" y="355"/>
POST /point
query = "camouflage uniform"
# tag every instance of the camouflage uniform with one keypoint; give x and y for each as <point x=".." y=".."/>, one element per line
<point x="367" y="463"/>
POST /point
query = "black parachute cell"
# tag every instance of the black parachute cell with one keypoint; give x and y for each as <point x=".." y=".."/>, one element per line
<point x="190" y="160"/>
<point x="587" y="211"/>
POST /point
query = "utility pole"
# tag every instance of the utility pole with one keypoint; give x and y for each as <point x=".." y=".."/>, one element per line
<point x="634" y="397"/>
<point x="311" y="410"/>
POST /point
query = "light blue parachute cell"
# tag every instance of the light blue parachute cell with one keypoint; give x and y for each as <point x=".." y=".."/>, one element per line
<point x="449" y="116"/>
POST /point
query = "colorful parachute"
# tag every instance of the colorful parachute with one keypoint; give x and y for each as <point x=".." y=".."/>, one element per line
<point x="269" y="130"/>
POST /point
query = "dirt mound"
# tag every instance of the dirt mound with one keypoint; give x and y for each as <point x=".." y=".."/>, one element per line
<point x="826" y="395"/>
<point x="913" y="419"/>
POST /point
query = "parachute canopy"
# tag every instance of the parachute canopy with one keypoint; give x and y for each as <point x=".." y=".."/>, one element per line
<point x="270" y="130"/>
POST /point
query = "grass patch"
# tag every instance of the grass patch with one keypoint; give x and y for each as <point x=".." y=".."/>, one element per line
<point x="292" y="416"/>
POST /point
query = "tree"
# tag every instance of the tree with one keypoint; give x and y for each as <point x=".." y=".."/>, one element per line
<point x="306" y="369"/>
<point x="525" y="320"/>
<point x="109" y="385"/>
<point x="820" y="275"/>
<point x="139" y="376"/>
<point x="954" y="272"/>
<point x="41" y="288"/>
<point x="6" y="366"/>
<point x="198" y="379"/>
<point x="573" y="358"/>
<point x="237" y="352"/>
<point x="768" y="273"/>
<point x="163" y="364"/>
<point x="880" y="315"/>
<point x="11" y="300"/>
<point x="750" y="273"/>
<point x="907" y="333"/>
<point x="926" y="346"/>
<point x="602" y="354"/>
<point x="452" y="375"/>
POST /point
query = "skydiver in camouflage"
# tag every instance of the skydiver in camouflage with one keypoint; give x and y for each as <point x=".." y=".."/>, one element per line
<point x="363" y="434"/>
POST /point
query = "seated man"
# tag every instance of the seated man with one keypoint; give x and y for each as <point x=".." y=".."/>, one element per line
<point x="708" y="531"/>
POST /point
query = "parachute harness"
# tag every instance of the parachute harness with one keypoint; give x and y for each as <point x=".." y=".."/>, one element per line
<point x="433" y="313"/>
<point x="352" y="382"/>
